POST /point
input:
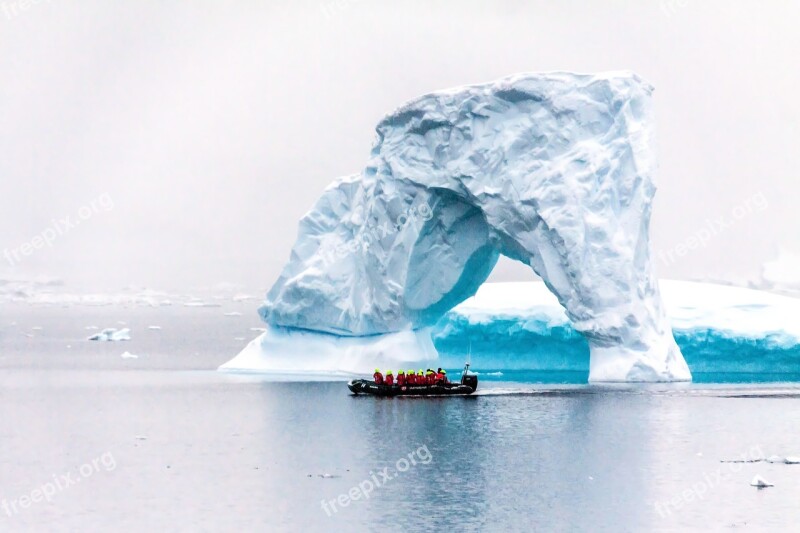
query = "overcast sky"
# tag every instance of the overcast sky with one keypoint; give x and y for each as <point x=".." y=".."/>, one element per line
<point x="187" y="138"/>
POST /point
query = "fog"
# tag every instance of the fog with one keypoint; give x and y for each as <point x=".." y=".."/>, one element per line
<point x="176" y="144"/>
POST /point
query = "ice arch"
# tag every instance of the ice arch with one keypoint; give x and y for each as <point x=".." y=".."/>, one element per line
<point x="554" y="170"/>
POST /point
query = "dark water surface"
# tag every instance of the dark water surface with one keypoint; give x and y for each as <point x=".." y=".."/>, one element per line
<point x="165" y="443"/>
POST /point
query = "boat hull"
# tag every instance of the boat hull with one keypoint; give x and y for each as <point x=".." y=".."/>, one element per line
<point x="365" y="386"/>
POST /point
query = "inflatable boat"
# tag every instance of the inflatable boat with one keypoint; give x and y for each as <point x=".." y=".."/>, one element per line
<point x="467" y="385"/>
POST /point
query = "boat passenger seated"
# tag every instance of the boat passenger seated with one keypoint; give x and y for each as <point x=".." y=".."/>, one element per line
<point x="421" y="378"/>
<point x="411" y="377"/>
<point x="444" y="377"/>
<point x="389" y="378"/>
<point x="401" y="378"/>
<point x="430" y="377"/>
<point x="378" y="377"/>
<point x="439" y="376"/>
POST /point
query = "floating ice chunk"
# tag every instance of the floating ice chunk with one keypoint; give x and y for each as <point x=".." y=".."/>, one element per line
<point x="760" y="482"/>
<point x="196" y="303"/>
<point x="129" y="355"/>
<point x="112" y="334"/>
<point x="792" y="460"/>
<point x="554" y="170"/>
<point x="774" y="459"/>
<point x="233" y="313"/>
<point x="153" y="327"/>
<point x="243" y="297"/>
<point x="91" y="327"/>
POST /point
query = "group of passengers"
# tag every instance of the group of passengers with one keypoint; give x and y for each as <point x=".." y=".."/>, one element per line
<point x="404" y="378"/>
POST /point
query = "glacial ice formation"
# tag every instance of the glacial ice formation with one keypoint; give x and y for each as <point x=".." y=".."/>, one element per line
<point x="727" y="334"/>
<point x="554" y="170"/>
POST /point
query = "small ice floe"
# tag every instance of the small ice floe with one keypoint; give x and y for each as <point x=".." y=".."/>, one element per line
<point x="243" y="297"/>
<point x="327" y="476"/>
<point x="165" y="302"/>
<point x="760" y="482"/>
<point x="774" y="459"/>
<point x="200" y="303"/>
<point x="91" y="327"/>
<point x="129" y="355"/>
<point x="112" y="334"/>
<point x="153" y="327"/>
<point x="233" y="313"/>
<point x="792" y="460"/>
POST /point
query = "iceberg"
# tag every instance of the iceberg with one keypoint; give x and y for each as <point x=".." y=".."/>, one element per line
<point x="554" y="170"/>
<point x="726" y="333"/>
<point x="112" y="334"/>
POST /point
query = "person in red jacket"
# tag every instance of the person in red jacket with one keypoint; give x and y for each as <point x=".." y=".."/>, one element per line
<point x="439" y="377"/>
<point x="389" y="378"/>
<point x="401" y="378"/>
<point x="430" y="377"/>
<point x="378" y="377"/>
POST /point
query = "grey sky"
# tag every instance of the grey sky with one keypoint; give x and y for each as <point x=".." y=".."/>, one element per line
<point x="213" y="127"/>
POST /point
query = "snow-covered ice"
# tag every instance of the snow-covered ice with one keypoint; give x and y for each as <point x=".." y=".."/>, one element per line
<point x="690" y="306"/>
<point x="554" y="170"/>
<point x="527" y="312"/>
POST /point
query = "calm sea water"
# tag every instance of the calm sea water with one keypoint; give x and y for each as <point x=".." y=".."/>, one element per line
<point x="91" y="441"/>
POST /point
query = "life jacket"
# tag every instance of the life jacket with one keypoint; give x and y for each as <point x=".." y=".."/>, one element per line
<point x="439" y="377"/>
<point x="401" y="380"/>
<point x="430" y="379"/>
<point x="378" y="377"/>
<point x="390" y="379"/>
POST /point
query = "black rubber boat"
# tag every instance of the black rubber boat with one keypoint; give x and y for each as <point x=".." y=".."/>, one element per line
<point x="468" y="385"/>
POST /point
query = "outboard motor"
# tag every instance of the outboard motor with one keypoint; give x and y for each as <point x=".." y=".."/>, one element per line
<point x="470" y="380"/>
